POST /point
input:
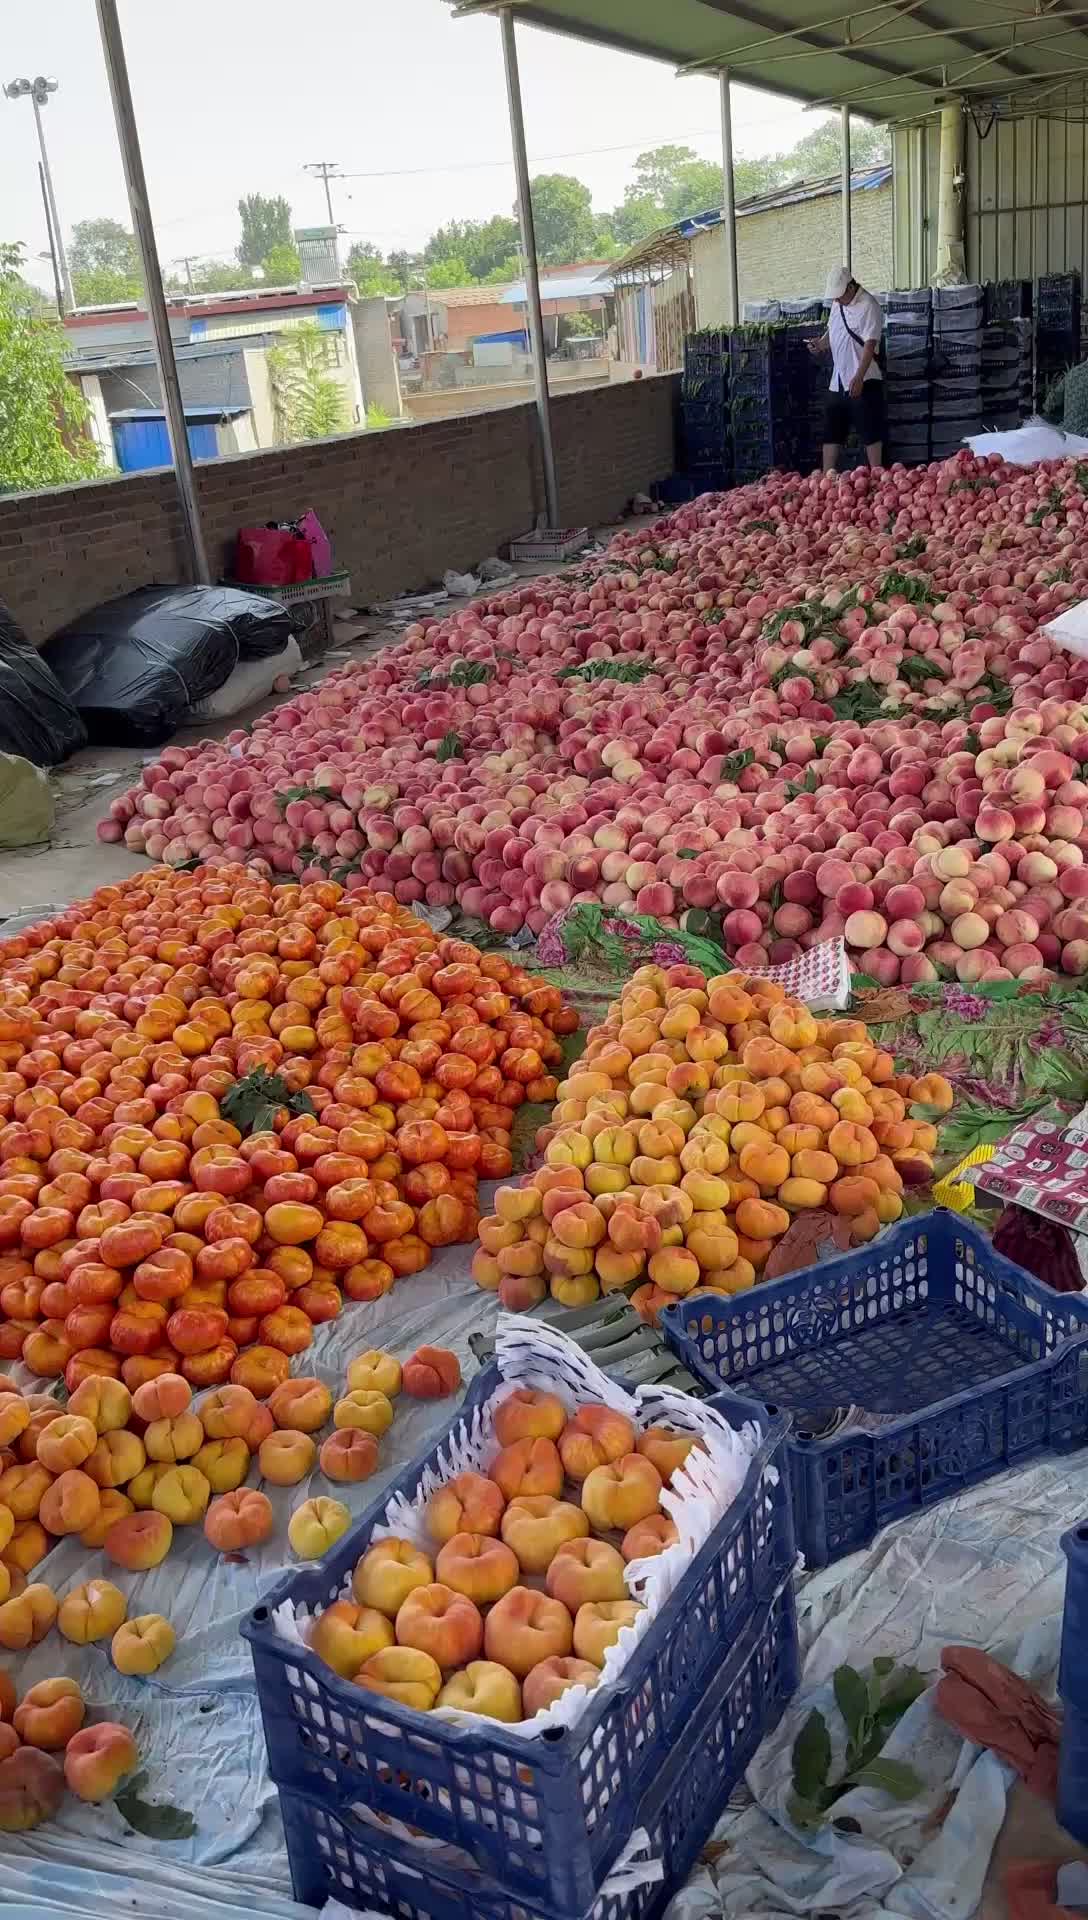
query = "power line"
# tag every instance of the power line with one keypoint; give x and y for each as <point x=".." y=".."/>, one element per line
<point x="573" y="153"/>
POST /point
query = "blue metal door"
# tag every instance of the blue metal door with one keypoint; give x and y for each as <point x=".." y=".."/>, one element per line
<point x="146" y="443"/>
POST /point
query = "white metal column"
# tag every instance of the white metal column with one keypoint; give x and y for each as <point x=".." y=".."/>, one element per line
<point x="729" y="212"/>
<point x="847" y="222"/>
<point x="532" y="274"/>
<point x="117" y="70"/>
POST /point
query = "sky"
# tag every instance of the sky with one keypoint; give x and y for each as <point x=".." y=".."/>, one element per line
<point x="233" y="98"/>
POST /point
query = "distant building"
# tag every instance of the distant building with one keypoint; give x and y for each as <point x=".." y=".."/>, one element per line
<point x="452" y="319"/>
<point x="678" y="278"/>
<point x="228" y="387"/>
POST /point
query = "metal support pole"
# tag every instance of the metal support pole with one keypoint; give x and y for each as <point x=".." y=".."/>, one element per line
<point x="951" y="269"/>
<point x="847" y="222"/>
<point x="729" y="216"/>
<point x="57" y="240"/>
<point x="117" y="70"/>
<point x="532" y="275"/>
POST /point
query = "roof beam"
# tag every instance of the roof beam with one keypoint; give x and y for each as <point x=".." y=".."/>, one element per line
<point x="965" y="39"/>
<point x="574" y="29"/>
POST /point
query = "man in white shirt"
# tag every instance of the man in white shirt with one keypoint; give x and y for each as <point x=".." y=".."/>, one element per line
<point x="856" y="394"/>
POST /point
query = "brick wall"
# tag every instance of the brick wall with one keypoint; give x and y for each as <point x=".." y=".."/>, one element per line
<point x="787" y="252"/>
<point x="400" y="505"/>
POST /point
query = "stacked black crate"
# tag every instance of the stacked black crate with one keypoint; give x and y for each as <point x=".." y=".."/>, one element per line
<point x="704" y="453"/>
<point x="907" y="342"/>
<point x="1057" y="329"/>
<point x="814" y="382"/>
<point x="1025" y="342"/>
<point x="1001" y="374"/>
<point x="1006" y="300"/>
<point x="769" y="377"/>
<point x="956" y="399"/>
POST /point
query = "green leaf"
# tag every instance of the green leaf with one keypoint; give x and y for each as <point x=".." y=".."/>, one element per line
<point x="883" y="1665"/>
<point x="805" y="1814"/>
<point x="905" y="1686"/>
<point x="812" y="1756"/>
<point x="252" y="1103"/>
<point x="852" y="1699"/>
<point x="450" y="748"/>
<point x="687" y="853"/>
<point x="893" y="1777"/>
<point x="156" y="1820"/>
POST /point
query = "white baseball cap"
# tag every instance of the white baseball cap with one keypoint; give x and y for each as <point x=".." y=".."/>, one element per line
<point x="837" y="282"/>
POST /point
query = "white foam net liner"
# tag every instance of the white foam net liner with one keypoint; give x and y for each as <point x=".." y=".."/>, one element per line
<point x="531" y="1354"/>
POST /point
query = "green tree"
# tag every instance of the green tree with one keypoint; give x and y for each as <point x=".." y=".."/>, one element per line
<point x="282" y="266"/>
<point x="104" y="262"/>
<point x="447" y="273"/>
<point x="483" y="245"/>
<point x="309" y="404"/>
<point x="820" y="152"/>
<point x="368" y="270"/>
<point x="401" y="265"/>
<point x="566" y="227"/>
<point x="671" y="183"/>
<point x="42" y="413"/>
<point x="266" y="223"/>
<point x="216" y="276"/>
<point x="506" y="270"/>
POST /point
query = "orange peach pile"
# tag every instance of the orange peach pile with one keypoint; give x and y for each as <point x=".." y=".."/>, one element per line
<point x="140" y="1232"/>
<point x="523" y="1590"/>
<point x="45" y="1746"/>
<point x="122" y="1470"/>
<point x="703" y="1117"/>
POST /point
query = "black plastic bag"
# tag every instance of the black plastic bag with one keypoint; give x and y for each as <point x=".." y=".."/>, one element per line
<point x="135" y="665"/>
<point x="37" y="719"/>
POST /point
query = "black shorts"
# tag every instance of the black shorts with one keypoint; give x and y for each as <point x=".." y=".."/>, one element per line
<point x="866" y="414"/>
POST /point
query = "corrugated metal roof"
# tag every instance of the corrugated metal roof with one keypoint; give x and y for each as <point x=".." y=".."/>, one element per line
<point x="907" y="60"/>
<point x="667" y="245"/>
<point x="593" y="281"/>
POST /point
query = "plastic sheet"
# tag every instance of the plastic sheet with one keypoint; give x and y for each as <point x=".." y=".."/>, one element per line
<point x="37" y="719"/>
<point x="1027" y="445"/>
<point x="134" y="666"/>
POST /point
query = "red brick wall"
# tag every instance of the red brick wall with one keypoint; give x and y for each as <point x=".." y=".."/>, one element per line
<point x="400" y="505"/>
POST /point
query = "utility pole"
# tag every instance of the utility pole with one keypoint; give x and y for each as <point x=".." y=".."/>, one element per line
<point x="58" y="284"/>
<point x="38" y="91"/>
<point x="113" y="50"/>
<point x="186" y="261"/>
<point x="326" y="170"/>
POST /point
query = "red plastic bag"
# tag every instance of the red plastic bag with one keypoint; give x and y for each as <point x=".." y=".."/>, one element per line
<point x="272" y="556"/>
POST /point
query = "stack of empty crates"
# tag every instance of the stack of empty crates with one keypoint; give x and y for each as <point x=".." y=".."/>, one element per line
<point x="704" y="410"/>
<point x="769" y="377"/>
<point x="1006" y="354"/>
<point x="1057" y="328"/>
<point x="956" y="402"/>
<point x="907" y="344"/>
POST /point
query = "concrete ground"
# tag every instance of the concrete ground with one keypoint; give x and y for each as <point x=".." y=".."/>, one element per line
<point x="75" y="862"/>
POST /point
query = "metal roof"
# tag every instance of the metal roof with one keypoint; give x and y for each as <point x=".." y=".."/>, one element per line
<point x="668" y="247"/>
<point x="895" y="60"/>
<point x="226" y="412"/>
<point x="585" y="282"/>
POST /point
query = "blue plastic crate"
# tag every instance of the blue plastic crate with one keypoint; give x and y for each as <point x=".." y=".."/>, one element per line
<point x="545" y="1818"/>
<point x="335" y="1855"/>
<point x="1073" y="1687"/>
<point x="985" y="1365"/>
